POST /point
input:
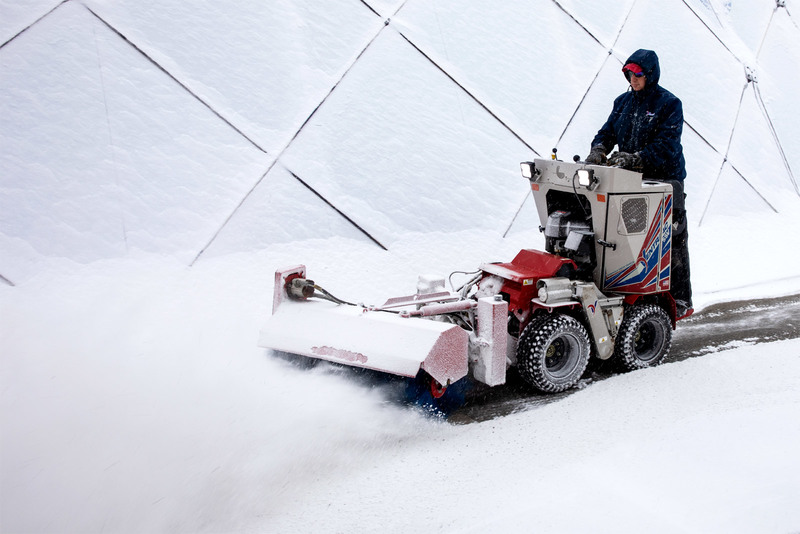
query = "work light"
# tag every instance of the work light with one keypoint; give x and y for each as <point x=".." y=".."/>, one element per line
<point x="528" y="169"/>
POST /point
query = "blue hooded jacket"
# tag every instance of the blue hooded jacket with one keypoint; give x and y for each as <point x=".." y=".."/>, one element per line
<point x="649" y="122"/>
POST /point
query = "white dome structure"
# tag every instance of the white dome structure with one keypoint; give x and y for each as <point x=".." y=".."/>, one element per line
<point x="208" y="128"/>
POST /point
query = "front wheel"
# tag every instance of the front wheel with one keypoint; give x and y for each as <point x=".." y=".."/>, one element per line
<point x="553" y="352"/>
<point x="645" y="337"/>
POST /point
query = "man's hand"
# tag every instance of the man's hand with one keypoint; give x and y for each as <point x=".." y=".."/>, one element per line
<point x="597" y="156"/>
<point x="625" y="160"/>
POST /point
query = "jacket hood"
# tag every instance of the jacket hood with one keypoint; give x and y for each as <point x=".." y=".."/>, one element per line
<point x="648" y="60"/>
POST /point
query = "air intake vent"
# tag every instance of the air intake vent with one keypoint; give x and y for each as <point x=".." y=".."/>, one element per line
<point x="634" y="215"/>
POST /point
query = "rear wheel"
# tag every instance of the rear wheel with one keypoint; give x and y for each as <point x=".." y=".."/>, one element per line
<point x="645" y="337"/>
<point x="553" y="352"/>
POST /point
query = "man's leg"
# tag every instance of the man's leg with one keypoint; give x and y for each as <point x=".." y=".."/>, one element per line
<point x="681" y="285"/>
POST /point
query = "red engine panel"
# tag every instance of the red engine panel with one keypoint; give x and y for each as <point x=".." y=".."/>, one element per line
<point x="524" y="271"/>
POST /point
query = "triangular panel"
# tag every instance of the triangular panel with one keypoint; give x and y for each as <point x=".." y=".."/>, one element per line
<point x="281" y="210"/>
<point x="734" y="197"/>
<point x="103" y="153"/>
<point x="755" y="154"/>
<point x="264" y="65"/>
<point x="532" y="79"/>
<point x="399" y="148"/>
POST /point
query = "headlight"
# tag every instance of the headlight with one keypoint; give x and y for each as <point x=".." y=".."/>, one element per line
<point x="528" y="169"/>
<point x="585" y="177"/>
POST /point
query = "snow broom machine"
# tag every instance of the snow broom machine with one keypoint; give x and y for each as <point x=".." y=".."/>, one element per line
<point x="600" y="290"/>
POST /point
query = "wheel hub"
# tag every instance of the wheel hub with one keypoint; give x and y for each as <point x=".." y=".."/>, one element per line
<point x="557" y="355"/>
<point x="644" y="342"/>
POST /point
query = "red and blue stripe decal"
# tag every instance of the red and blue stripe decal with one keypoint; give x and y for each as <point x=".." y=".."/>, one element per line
<point x="651" y="270"/>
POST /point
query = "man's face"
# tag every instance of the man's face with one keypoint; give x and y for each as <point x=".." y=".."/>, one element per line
<point x="638" y="83"/>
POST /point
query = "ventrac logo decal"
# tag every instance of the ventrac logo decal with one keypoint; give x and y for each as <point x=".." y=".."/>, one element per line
<point x="650" y="252"/>
<point x="666" y="233"/>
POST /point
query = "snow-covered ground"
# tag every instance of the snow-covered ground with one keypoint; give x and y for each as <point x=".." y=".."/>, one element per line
<point x="158" y="160"/>
<point x="135" y="400"/>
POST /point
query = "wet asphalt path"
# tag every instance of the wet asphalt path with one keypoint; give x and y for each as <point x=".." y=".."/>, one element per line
<point x="718" y="327"/>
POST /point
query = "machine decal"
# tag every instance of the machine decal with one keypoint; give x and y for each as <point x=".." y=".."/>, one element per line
<point x="341" y="354"/>
<point x="666" y="240"/>
<point x="650" y="272"/>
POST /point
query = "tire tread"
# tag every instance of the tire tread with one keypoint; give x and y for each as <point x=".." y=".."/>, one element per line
<point x="532" y="348"/>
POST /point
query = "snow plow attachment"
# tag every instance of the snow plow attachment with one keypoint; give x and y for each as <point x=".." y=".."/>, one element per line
<point x="378" y="338"/>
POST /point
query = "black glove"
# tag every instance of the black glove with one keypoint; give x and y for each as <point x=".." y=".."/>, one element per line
<point x="625" y="160"/>
<point x="597" y="156"/>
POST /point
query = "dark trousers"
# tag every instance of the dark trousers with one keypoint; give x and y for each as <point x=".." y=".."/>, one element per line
<point x="680" y="284"/>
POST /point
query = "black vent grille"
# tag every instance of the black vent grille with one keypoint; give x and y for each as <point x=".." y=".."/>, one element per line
<point x="634" y="215"/>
